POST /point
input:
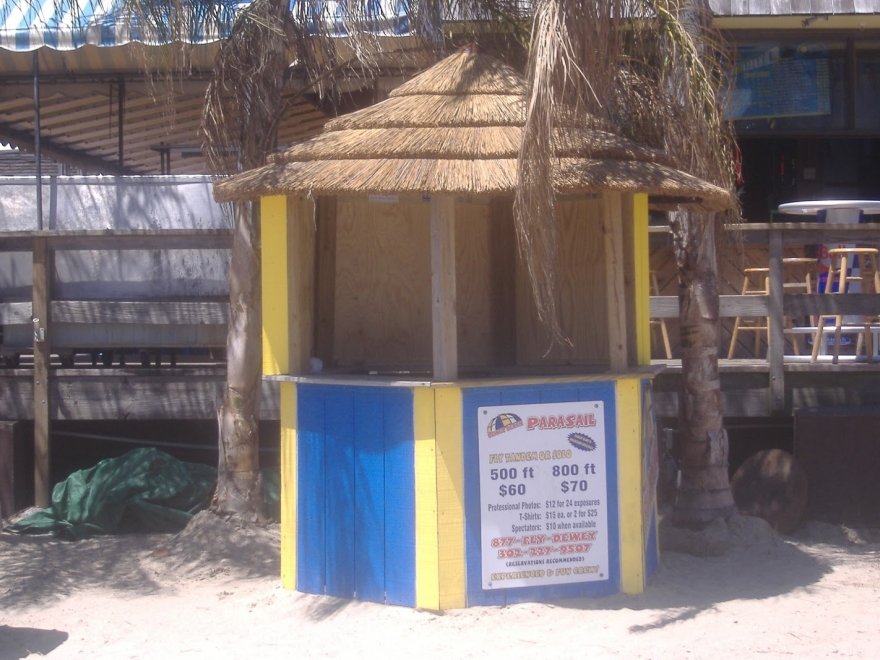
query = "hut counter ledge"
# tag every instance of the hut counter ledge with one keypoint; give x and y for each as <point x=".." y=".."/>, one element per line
<point x="379" y="379"/>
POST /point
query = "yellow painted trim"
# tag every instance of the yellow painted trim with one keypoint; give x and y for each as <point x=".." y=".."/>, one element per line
<point x="289" y="485"/>
<point x="439" y="477"/>
<point x="629" y="480"/>
<point x="450" y="497"/>
<point x="427" y="563"/>
<point x="642" y="267"/>
<point x="275" y="283"/>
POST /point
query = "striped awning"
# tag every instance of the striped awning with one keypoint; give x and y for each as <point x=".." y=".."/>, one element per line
<point x="68" y="24"/>
<point x="26" y="25"/>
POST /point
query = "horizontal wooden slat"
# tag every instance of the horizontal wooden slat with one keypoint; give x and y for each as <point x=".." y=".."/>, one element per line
<point x="666" y="307"/>
<point x="746" y="393"/>
<point x="166" y="239"/>
<point x="135" y="393"/>
<point x="142" y="312"/>
<point x="794" y="304"/>
<point x="102" y="311"/>
<point x="808" y="233"/>
<point x="800" y="304"/>
<point x="15" y="313"/>
<point x="78" y="324"/>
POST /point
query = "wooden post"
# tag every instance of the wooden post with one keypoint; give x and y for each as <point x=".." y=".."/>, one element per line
<point x="443" y="298"/>
<point x="638" y="280"/>
<point x="325" y="286"/>
<point x="8" y="451"/>
<point x="288" y="276"/>
<point x="775" y="320"/>
<point x="301" y="294"/>
<point x="612" y="233"/>
<point x="40" y="311"/>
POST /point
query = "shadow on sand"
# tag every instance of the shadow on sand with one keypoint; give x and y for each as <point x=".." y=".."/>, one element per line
<point x="40" y="569"/>
<point x="22" y="642"/>
<point x="685" y="586"/>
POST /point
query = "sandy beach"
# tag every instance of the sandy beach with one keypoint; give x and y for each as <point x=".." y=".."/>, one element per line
<point x="213" y="591"/>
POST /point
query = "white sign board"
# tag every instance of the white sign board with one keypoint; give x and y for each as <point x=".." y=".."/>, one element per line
<point x="543" y="494"/>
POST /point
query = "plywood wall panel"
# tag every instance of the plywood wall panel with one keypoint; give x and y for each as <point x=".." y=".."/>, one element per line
<point x="474" y="233"/>
<point x="581" y="294"/>
<point x="383" y="285"/>
<point x="382" y="305"/>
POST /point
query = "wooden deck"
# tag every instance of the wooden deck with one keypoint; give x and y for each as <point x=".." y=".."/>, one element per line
<point x="747" y="393"/>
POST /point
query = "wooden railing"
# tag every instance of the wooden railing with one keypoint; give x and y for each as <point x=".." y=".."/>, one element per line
<point x="778" y="304"/>
<point x="112" y="322"/>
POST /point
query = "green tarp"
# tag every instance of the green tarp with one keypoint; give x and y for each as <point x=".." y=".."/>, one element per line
<point x="145" y="490"/>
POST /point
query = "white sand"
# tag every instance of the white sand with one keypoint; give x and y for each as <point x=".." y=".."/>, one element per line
<point x="197" y="596"/>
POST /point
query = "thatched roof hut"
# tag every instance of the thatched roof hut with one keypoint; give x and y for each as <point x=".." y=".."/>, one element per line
<point x="416" y="192"/>
<point x="457" y="128"/>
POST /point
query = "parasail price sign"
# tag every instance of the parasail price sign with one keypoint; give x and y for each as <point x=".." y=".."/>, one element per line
<point x="543" y="494"/>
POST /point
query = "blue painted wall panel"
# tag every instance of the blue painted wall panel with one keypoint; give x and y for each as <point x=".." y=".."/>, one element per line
<point x="400" y="505"/>
<point x="369" y="496"/>
<point x="310" y="476"/>
<point x="339" y="477"/>
<point x="356" y="533"/>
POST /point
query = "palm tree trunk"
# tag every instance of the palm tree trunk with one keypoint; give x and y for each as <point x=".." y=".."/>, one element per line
<point x="702" y="445"/>
<point x="239" y="486"/>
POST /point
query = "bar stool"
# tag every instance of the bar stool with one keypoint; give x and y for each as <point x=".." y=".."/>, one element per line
<point x="660" y="323"/>
<point x="752" y="324"/>
<point x="797" y="282"/>
<point x="840" y="272"/>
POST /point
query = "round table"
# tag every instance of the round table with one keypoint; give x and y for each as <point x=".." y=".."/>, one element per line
<point x="838" y="210"/>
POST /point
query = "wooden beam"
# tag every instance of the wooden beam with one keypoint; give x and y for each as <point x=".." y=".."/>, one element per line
<point x="443" y="293"/>
<point x="793" y="304"/>
<point x="776" y="323"/>
<point x="42" y="272"/>
<point x="637" y="276"/>
<point x="301" y="292"/>
<point x="612" y="233"/>
<point x="325" y="285"/>
<point x="135" y="239"/>
<point x="63" y="153"/>
<point x="274" y="256"/>
<point x="127" y="393"/>
<point x="148" y="313"/>
<point x="75" y="89"/>
<point x="807" y="233"/>
<point x="11" y="474"/>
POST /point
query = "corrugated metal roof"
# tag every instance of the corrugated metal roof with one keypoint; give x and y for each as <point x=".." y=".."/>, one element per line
<point x="26" y="25"/>
<point x="818" y="8"/>
<point x="84" y="50"/>
<point x="79" y="124"/>
<point x="69" y="24"/>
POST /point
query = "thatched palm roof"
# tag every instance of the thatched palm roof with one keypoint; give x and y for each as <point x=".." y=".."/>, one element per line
<point x="457" y="128"/>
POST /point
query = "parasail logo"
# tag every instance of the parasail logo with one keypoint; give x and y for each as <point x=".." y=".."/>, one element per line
<point x="503" y="423"/>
